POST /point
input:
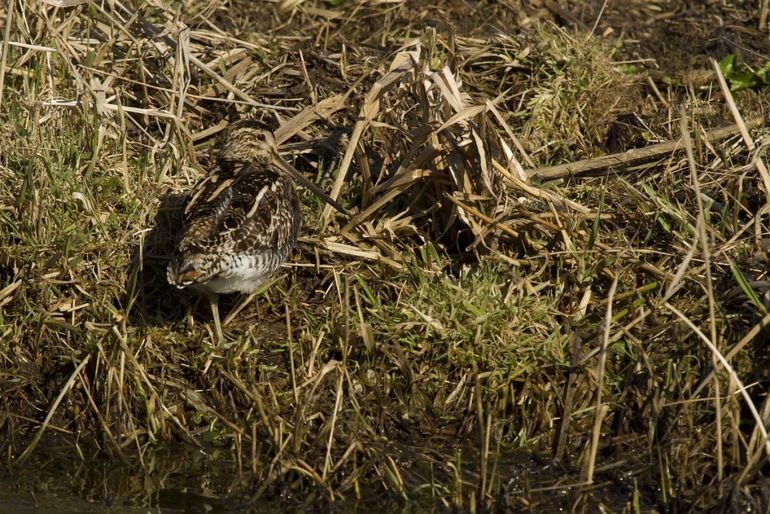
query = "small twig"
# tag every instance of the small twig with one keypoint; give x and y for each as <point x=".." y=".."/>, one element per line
<point x="596" y="22"/>
<point x="633" y="157"/>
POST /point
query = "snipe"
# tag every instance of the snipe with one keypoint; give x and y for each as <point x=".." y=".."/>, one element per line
<point x="242" y="220"/>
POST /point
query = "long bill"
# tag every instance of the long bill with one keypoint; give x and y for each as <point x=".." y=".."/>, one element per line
<point x="292" y="172"/>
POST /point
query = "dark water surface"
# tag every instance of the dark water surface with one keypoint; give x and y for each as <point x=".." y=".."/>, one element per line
<point x="183" y="478"/>
<point x="176" y="479"/>
<point x="168" y="480"/>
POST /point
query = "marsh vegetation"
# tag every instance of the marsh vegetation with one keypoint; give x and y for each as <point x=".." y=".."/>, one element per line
<point x="510" y="319"/>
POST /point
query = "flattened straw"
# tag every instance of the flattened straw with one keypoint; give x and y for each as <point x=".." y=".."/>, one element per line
<point x="453" y="100"/>
<point x="64" y="3"/>
<point x="483" y="162"/>
<point x="402" y="63"/>
<point x="308" y="115"/>
<point x="746" y="339"/>
<point x="353" y="251"/>
<point x="6" y="293"/>
<point x="461" y="116"/>
<point x="491" y="106"/>
<point x="158" y="33"/>
<point x="377" y="205"/>
<point x="410" y="161"/>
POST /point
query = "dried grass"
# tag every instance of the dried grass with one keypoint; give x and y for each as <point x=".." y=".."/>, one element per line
<point x="474" y="304"/>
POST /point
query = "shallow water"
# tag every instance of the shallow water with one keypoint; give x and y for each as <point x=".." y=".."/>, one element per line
<point x="176" y="479"/>
<point x="14" y="502"/>
<point x="173" y="479"/>
<point x="183" y="478"/>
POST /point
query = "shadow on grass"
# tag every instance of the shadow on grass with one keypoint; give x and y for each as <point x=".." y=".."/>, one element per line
<point x="150" y="299"/>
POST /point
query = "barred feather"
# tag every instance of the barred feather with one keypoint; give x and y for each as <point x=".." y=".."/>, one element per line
<point x="242" y="220"/>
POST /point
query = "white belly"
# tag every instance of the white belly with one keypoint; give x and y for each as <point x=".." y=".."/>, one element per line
<point x="242" y="274"/>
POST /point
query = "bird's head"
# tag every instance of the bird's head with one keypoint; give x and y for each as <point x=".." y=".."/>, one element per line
<point x="248" y="141"/>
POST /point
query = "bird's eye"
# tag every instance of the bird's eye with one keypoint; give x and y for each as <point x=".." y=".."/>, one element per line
<point x="260" y="136"/>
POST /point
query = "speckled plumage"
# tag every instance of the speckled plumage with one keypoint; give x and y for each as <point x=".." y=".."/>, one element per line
<point x="239" y="228"/>
<point x="241" y="222"/>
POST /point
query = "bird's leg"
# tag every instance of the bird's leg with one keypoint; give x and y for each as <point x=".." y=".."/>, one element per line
<point x="214" y="302"/>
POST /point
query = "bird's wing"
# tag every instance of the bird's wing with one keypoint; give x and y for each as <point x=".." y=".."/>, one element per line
<point x="247" y="211"/>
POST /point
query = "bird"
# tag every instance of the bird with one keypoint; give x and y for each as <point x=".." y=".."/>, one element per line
<point x="242" y="220"/>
